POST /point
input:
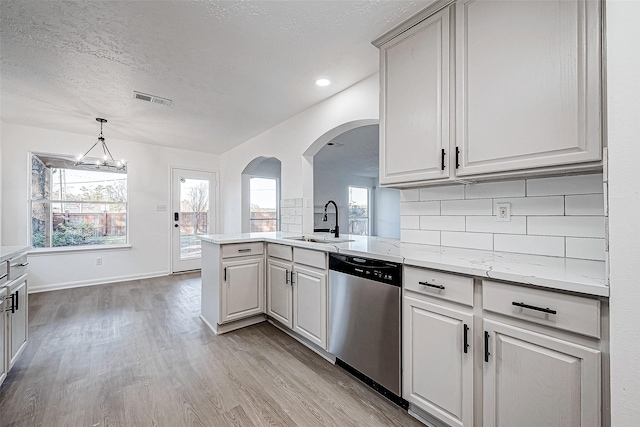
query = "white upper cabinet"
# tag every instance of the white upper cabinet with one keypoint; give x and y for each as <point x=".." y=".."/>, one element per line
<point x="414" y="104"/>
<point x="502" y="87"/>
<point x="527" y="84"/>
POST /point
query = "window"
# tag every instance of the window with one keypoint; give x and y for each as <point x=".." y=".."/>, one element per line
<point x="263" y="201"/>
<point x="359" y="211"/>
<point x="76" y="205"/>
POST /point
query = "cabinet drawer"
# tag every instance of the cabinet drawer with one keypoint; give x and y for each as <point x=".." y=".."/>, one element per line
<point x="446" y="286"/>
<point x="315" y="259"/>
<point x="17" y="266"/>
<point x="242" y="249"/>
<point x="280" y="251"/>
<point x="562" y="311"/>
<point x="4" y="273"/>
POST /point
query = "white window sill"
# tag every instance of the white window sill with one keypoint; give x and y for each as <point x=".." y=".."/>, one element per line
<point x="73" y="249"/>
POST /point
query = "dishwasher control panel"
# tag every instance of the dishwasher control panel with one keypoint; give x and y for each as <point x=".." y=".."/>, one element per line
<point x="380" y="271"/>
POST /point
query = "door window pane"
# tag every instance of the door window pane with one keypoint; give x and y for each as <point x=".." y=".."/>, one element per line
<point x="194" y="215"/>
<point x="359" y="211"/>
<point x="263" y="201"/>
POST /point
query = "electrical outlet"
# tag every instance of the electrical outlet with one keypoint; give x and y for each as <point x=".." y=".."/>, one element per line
<point x="503" y="213"/>
<point x="98" y="261"/>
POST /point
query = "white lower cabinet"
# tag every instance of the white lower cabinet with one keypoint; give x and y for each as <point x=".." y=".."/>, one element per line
<point x="3" y="325"/>
<point x="532" y="380"/>
<point x="534" y="356"/>
<point x="310" y="304"/>
<point x="297" y="291"/>
<point x="438" y="360"/>
<point x="242" y="288"/>
<point x="279" y="292"/>
<point x="18" y="323"/>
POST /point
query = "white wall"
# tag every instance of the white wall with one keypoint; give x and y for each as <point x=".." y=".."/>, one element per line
<point x="149" y="230"/>
<point x="623" y="99"/>
<point x="386" y="212"/>
<point x="288" y="141"/>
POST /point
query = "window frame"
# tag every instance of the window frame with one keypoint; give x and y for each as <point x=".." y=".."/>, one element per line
<point x="78" y="248"/>
<point x="369" y="211"/>
<point x="277" y="180"/>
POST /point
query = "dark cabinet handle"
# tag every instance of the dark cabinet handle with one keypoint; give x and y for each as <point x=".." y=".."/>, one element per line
<point x="225" y="274"/>
<point x="431" y="285"/>
<point x="486" y="346"/>
<point x="457" y="157"/>
<point x="465" y="344"/>
<point x="4" y="275"/>
<point x="244" y="250"/>
<point x="176" y="216"/>
<point x="17" y="301"/>
<point x="443" y="154"/>
<point x="12" y="309"/>
<point x="533" y="307"/>
<point x="24" y="264"/>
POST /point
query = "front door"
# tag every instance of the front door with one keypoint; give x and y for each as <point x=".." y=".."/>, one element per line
<point x="192" y="213"/>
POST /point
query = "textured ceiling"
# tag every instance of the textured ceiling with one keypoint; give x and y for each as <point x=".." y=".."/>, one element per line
<point x="232" y="68"/>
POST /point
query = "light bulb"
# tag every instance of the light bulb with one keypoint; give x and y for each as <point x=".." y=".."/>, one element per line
<point x="323" y="82"/>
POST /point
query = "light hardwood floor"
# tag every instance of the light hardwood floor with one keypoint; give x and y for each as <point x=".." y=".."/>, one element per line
<point x="137" y="354"/>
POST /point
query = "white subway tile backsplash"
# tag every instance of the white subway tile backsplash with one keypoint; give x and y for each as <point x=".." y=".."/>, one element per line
<point x="535" y="245"/>
<point x="295" y="228"/>
<point x="467" y="207"/>
<point x="585" y="248"/>
<point x="589" y="204"/>
<point x="443" y="223"/>
<point x="412" y="195"/>
<point x="577" y="184"/>
<point x="449" y="192"/>
<point x="571" y="226"/>
<point x="422" y="237"/>
<point x="562" y="217"/>
<point x="492" y="190"/>
<point x="420" y="208"/>
<point x="467" y="240"/>
<point x="408" y="222"/>
<point x="489" y="224"/>
<point x="553" y="205"/>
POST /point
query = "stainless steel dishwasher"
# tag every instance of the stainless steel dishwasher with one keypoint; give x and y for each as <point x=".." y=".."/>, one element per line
<point x="364" y="320"/>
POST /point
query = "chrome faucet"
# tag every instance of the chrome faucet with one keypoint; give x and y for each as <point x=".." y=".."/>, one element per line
<point x="324" y="218"/>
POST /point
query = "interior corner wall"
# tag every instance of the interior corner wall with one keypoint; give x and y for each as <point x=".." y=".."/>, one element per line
<point x="288" y="141"/>
<point x="149" y="229"/>
<point x="623" y="128"/>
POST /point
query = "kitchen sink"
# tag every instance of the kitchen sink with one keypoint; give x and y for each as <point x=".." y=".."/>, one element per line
<point x="318" y="239"/>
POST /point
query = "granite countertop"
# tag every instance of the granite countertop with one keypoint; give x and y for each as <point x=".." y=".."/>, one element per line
<point x="8" y="252"/>
<point x="567" y="274"/>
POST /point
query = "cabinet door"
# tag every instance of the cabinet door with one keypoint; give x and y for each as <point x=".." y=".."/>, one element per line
<point x="414" y="103"/>
<point x="242" y="289"/>
<point x="310" y="304"/>
<point x="527" y="84"/>
<point x="437" y="366"/>
<point x="533" y="380"/>
<point x="18" y="325"/>
<point x="279" y="292"/>
<point x="3" y="325"/>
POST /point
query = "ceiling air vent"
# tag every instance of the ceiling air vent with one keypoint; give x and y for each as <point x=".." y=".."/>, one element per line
<point x="151" y="98"/>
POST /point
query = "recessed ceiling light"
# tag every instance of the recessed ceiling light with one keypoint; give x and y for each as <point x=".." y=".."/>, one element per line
<point x="323" y="82"/>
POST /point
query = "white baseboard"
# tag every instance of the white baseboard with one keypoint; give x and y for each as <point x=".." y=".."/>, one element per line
<point x="93" y="282"/>
<point x="238" y="324"/>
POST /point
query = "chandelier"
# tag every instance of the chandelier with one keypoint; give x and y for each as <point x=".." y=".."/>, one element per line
<point x="107" y="160"/>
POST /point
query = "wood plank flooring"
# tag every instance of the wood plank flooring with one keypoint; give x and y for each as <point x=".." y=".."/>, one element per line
<point x="137" y="354"/>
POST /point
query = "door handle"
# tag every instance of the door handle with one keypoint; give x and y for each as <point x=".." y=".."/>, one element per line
<point x="286" y="277"/>
<point x="225" y="274"/>
<point x="12" y="309"/>
<point x="17" y="301"/>
<point x="176" y="216"/>
<point x="292" y="282"/>
<point x="4" y="275"/>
